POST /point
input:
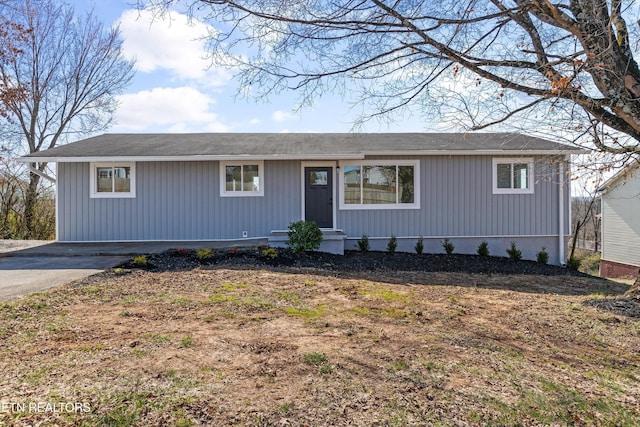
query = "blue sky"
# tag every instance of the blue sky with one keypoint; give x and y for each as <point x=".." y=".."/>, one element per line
<point x="175" y="91"/>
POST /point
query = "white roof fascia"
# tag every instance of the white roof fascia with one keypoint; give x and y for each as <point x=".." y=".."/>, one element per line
<point x="297" y="156"/>
<point x="612" y="182"/>
<point x="185" y="158"/>
<point x="475" y="152"/>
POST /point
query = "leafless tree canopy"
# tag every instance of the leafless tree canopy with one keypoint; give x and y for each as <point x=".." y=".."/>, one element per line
<point x="515" y="59"/>
<point x="67" y="70"/>
<point x="70" y="67"/>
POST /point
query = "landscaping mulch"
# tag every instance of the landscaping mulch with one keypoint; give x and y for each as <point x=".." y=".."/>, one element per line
<point x="353" y="261"/>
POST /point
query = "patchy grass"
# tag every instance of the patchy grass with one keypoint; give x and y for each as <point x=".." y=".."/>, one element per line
<point x="257" y="347"/>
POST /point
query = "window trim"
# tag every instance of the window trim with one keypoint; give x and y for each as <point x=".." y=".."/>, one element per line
<point x="93" y="172"/>
<point x="396" y="206"/>
<point x="242" y="193"/>
<point x="512" y="160"/>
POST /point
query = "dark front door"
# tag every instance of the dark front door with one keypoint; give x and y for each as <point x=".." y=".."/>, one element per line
<point x="318" y="199"/>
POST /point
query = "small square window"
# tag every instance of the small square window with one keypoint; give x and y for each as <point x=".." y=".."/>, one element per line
<point x="112" y="180"/>
<point x="239" y="179"/>
<point x="512" y="176"/>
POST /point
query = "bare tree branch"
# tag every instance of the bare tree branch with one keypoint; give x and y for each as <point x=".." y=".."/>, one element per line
<point x="71" y="69"/>
<point x="573" y="52"/>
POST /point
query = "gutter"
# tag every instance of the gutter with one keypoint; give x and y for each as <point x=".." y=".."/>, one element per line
<point x="301" y="156"/>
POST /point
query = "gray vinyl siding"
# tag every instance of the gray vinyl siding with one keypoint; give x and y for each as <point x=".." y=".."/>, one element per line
<point x="181" y="201"/>
<point x="456" y="200"/>
<point x="621" y="222"/>
<point x="176" y="201"/>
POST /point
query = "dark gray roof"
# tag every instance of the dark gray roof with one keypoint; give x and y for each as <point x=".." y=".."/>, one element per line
<point x="295" y="145"/>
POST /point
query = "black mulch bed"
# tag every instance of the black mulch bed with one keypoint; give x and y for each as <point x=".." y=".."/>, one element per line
<point x="185" y="259"/>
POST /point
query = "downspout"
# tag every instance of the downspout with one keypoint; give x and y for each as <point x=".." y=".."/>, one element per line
<point x="57" y="206"/>
<point x="561" y="241"/>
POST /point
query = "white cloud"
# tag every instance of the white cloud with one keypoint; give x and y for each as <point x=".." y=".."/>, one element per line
<point x="282" y="116"/>
<point x="169" y="109"/>
<point x="255" y="122"/>
<point x="170" y="42"/>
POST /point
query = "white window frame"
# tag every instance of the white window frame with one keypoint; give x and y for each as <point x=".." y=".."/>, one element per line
<point x="93" y="192"/>
<point x="241" y="193"/>
<point x="362" y="163"/>
<point x="513" y="160"/>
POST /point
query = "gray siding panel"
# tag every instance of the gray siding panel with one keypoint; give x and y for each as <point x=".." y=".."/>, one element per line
<point x="456" y="200"/>
<point x="177" y="201"/>
<point x="181" y="201"/>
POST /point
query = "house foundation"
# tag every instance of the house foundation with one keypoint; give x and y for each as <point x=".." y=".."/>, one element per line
<point x="612" y="269"/>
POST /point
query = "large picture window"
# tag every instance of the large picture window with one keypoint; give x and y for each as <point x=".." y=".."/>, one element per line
<point x="241" y="179"/>
<point x="512" y="176"/>
<point x="380" y="185"/>
<point x="112" y="180"/>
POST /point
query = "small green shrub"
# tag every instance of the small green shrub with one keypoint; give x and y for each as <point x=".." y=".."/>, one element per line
<point x="419" y="247"/>
<point x="270" y="253"/>
<point x="304" y="236"/>
<point x="204" y="254"/>
<point x="483" y="248"/>
<point x="392" y="245"/>
<point x="514" y="253"/>
<point x="448" y="246"/>
<point x="363" y="243"/>
<point x="543" y="256"/>
<point x="573" y="263"/>
<point x="140" y="260"/>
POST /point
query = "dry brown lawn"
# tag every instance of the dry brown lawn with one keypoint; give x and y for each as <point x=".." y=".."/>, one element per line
<point x="243" y="346"/>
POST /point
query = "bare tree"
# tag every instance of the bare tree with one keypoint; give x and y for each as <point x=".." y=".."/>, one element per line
<point x="569" y="63"/>
<point x="11" y="34"/>
<point x="70" y="68"/>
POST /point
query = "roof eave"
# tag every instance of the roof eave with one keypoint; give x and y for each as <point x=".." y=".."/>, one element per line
<point x="97" y="159"/>
<point x="352" y="156"/>
<point x="613" y="181"/>
<point x="477" y="152"/>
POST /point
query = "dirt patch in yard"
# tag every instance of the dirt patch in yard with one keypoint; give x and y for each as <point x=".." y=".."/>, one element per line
<point x="380" y="339"/>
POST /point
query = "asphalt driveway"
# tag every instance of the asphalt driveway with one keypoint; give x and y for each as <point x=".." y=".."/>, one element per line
<point x="32" y="266"/>
<point x="22" y="275"/>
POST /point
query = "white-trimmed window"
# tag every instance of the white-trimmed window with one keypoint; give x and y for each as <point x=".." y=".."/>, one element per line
<point x="512" y="175"/>
<point x="380" y="184"/>
<point x="113" y="180"/>
<point x="240" y="179"/>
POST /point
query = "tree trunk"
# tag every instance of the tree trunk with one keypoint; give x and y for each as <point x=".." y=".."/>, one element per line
<point x="29" y="206"/>
<point x="574" y="239"/>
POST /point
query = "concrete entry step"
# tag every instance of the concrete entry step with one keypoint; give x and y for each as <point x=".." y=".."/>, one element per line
<point x="332" y="240"/>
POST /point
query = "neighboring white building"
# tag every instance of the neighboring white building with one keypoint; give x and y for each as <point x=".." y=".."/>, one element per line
<point x="620" y="210"/>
